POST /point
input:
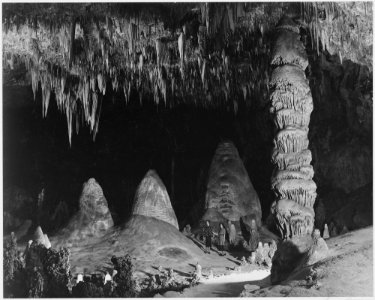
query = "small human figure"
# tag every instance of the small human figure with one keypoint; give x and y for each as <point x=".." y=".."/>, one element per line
<point x="208" y="234"/>
<point x="243" y="261"/>
<point x="232" y="233"/>
<point x="79" y="278"/>
<point x="187" y="230"/>
<point x="273" y="248"/>
<point x="332" y="229"/>
<point x="266" y="250"/>
<point x="198" y="270"/>
<point x="254" y="235"/>
<point x="259" y="258"/>
<point x="211" y="274"/>
<point x="107" y="278"/>
<point x="326" y="232"/>
<point x="222" y="233"/>
<point x="27" y="248"/>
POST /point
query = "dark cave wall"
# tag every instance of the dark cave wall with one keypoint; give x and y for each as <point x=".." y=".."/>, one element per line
<point x="131" y="140"/>
<point x="341" y="140"/>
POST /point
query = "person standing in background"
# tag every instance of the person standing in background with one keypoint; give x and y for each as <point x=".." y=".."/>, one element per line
<point x="232" y="233"/>
<point x="222" y="233"/>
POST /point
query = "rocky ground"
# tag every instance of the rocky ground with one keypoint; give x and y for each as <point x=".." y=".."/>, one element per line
<point x="347" y="271"/>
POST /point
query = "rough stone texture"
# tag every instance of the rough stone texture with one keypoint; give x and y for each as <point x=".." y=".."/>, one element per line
<point x="318" y="251"/>
<point x="291" y="101"/>
<point x="229" y="189"/>
<point x="92" y="220"/>
<point x="38" y="236"/>
<point x="152" y="200"/>
<point x="337" y="25"/>
<point x="288" y="256"/>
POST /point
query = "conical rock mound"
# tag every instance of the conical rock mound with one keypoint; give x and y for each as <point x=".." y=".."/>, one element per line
<point x="229" y="189"/>
<point x="92" y="220"/>
<point x="38" y="236"/>
<point x="152" y="200"/>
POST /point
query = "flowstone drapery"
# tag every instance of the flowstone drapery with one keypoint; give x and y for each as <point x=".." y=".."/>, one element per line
<point x="291" y="106"/>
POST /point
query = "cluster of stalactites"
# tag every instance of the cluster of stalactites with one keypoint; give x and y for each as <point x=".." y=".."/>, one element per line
<point x="292" y="105"/>
<point x="80" y="59"/>
<point x="334" y="26"/>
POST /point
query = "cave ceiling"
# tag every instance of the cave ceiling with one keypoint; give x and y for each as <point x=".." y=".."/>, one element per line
<point x="203" y="54"/>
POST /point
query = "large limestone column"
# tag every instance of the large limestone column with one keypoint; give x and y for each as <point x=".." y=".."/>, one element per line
<point x="292" y="105"/>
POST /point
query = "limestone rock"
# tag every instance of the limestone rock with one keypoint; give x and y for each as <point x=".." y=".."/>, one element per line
<point x="229" y="189"/>
<point x="93" y="205"/>
<point x="289" y="49"/>
<point x="47" y="243"/>
<point x="93" y="218"/>
<point x="152" y="200"/>
<point x="318" y="251"/>
<point x="38" y="236"/>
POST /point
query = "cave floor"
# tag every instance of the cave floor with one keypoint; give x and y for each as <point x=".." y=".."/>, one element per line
<point x="346" y="272"/>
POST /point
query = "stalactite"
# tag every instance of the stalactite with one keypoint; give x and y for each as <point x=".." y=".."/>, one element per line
<point x="292" y="105"/>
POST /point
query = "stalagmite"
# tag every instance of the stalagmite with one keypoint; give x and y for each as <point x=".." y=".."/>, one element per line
<point x="229" y="189"/>
<point x="152" y="200"/>
<point x="292" y="105"/>
<point x="181" y="47"/>
<point x="91" y="221"/>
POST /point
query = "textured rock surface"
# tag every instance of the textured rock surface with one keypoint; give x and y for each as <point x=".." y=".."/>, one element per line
<point x="152" y="200"/>
<point x="92" y="220"/>
<point x="229" y="189"/>
<point x="291" y="101"/>
<point x="330" y="277"/>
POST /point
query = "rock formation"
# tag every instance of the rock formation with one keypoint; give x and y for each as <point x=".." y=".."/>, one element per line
<point x="152" y="200"/>
<point x="38" y="236"/>
<point x="292" y="105"/>
<point x="93" y="218"/>
<point x="41" y="238"/>
<point x="229" y="189"/>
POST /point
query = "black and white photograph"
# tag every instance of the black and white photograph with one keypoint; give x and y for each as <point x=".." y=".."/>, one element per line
<point x="187" y="149"/>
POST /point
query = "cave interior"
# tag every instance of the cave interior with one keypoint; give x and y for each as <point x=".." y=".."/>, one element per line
<point x="110" y="91"/>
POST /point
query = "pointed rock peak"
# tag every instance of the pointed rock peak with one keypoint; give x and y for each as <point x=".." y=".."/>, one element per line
<point x="229" y="189"/>
<point x="152" y="200"/>
<point x="47" y="243"/>
<point x="227" y="147"/>
<point x="39" y="236"/>
<point x="92" y="201"/>
<point x="91" y="221"/>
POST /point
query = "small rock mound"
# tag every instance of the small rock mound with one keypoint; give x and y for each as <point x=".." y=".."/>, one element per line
<point x="152" y="200"/>
<point x="41" y="238"/>
<point x="93" y="218"/>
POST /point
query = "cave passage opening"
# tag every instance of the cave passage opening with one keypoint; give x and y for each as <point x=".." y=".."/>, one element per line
<point x="177" y="142"/>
